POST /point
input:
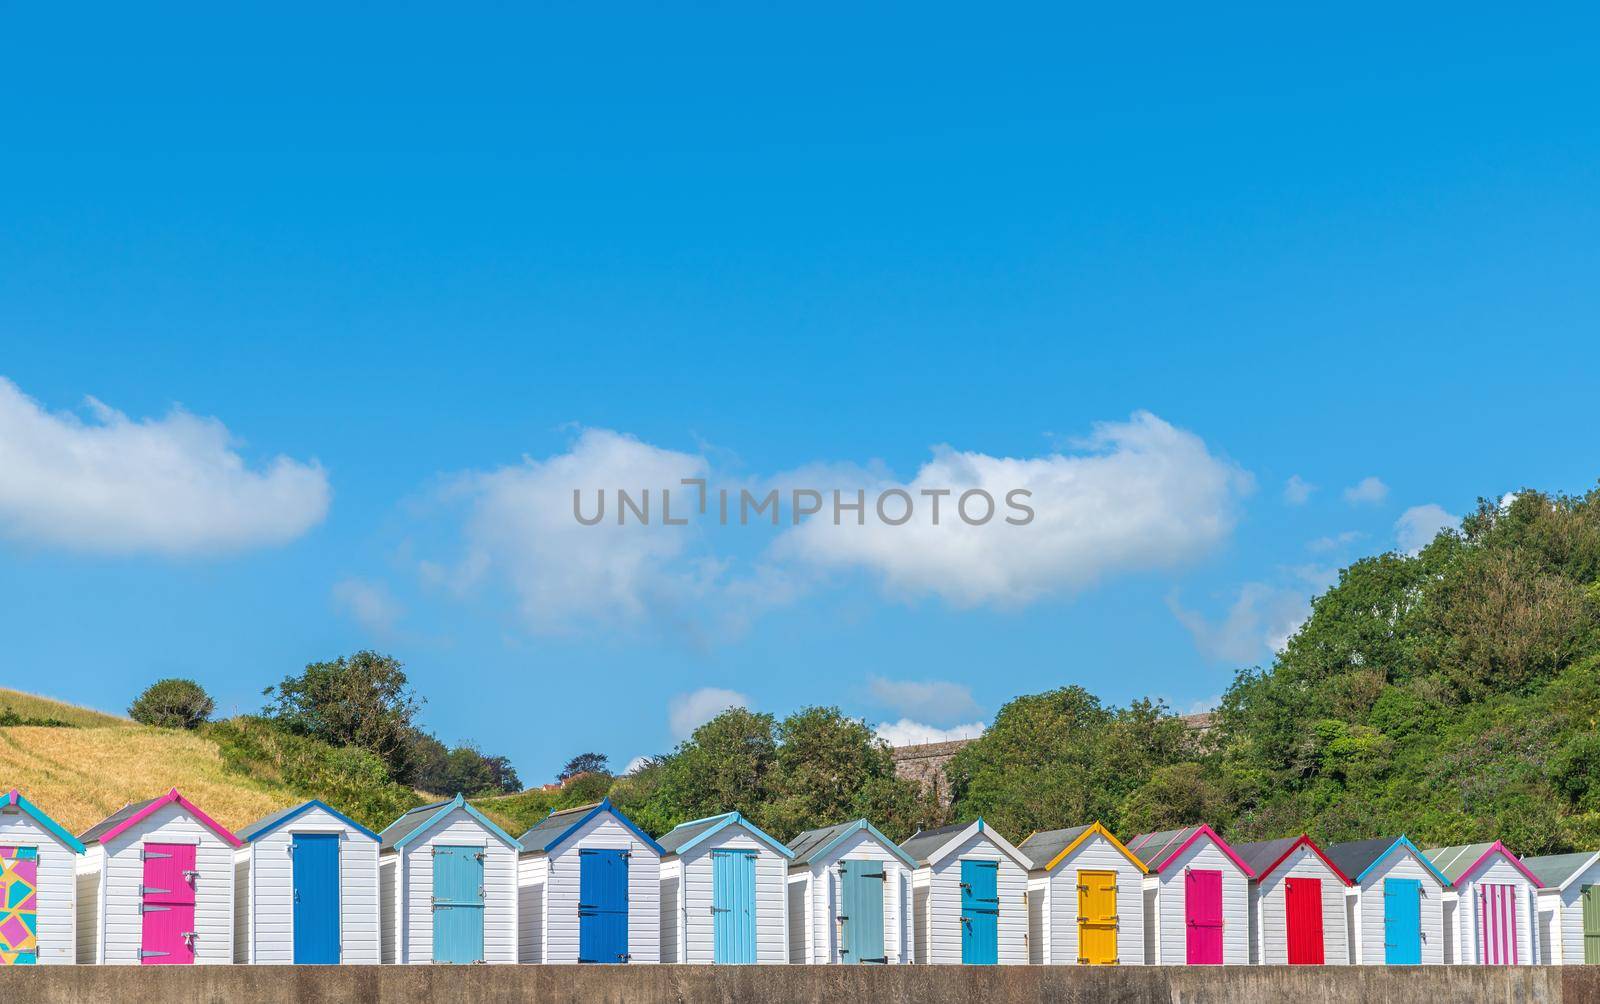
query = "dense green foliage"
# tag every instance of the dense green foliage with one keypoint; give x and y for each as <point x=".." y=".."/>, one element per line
<point x="9" y="716"/>
<point x="1453" y="695"/>
<point x="172" y="704"/>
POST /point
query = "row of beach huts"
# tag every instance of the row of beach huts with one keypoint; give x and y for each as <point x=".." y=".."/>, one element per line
<point x="161" y="883"/>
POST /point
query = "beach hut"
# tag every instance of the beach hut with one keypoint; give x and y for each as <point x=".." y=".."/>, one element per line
<point x="1297" y="904"/>
<point x="968" y="896"/>
<point x="1395" y="908"/>
<point x="1085" y="899"/>
<point x="589" y="889"/>
<point x="447" y="886"/>
<point x="1569" y="907"/>
<point x="1196" y="898"/>
<point x="306" y="889"/>
<point x="38" y="886"/>
<point x="722" y="893"/>
<point x="155" y="887"/>
<point x="1495" y="905"/>
<point x="849" y="897"/>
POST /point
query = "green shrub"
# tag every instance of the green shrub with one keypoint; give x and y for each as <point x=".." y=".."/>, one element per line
<point x="172" y="704"/>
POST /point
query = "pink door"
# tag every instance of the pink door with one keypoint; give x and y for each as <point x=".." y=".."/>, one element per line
<point x="1497" y="924"/>
<point x="1202" y="906"/>
<point x="168" y="905"/>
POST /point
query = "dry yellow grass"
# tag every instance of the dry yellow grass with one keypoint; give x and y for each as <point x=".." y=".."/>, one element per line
<point x="79" y="776"/>
<point x="34" y="706"/>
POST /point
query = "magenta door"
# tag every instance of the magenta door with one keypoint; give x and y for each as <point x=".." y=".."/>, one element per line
<point x="167" y="905"/>
<point x="1497" y="924"/>
<point x="1202" y="907"/>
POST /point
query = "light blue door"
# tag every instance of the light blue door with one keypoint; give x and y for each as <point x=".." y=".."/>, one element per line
<point x="316" y="899"/>
<point x="457" y="904"/>
<point x="861" y="911"/>
<point x="980" y="913"/>
<point x="733" y="907"/>
<point x="602" y="905"/>
<point x="1402" y="922"/>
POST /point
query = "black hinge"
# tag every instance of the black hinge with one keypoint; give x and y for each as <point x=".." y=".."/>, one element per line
<point x="884" y="960"/>
<point x="876" y="875"/>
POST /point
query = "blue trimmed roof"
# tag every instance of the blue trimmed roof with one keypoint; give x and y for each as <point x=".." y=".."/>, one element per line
<point x="550" y="831"/>
<point x="266" y="824"/>
<point x="687" y="835"/>
<point x="401" y="832"/>
<point x="55" y="829"/>
<point x="815" y="844"/>
<point x="1358" y="857"/>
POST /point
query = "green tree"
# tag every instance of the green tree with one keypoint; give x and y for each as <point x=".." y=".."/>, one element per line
<point x="831" y="768"/>
<point x="363" y="701"/>
<point x="724" y="766"/>
<point x="172" y="704"/>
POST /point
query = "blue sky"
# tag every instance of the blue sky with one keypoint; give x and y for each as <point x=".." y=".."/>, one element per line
<point x="359" y="296"/>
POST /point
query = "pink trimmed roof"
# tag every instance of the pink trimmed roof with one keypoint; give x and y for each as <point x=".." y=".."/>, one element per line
<point x="1304" y="841"/>
<point x="1498" y="848"/>
<point x="124" y="819"/>
<point x="1179" y="841"/>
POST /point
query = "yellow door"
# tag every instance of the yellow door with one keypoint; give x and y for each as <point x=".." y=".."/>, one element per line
<point x="1097" y="918"/>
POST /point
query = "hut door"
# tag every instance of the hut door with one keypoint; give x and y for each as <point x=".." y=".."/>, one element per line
<point x="316" y="898"/>
<point x="1591" y="925"/>
<point x="19" y="906"/>
<point x="602" y="905"/>
<point x="980" y="913"/>
<point x="733" y="907"/>
<point x="861" y="911"/>
<point x="1302" y="902"/>
<point x="166" y="907"/>
<point x="1097" y="918"/>
<point x="1402" y="922"/>
<point x="457" y="903"/>
<point x="1202" y="899"/>
<point x="1497" y="924"/>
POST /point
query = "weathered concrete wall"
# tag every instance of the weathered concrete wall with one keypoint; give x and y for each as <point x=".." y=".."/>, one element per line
<point x="795" y="984"/>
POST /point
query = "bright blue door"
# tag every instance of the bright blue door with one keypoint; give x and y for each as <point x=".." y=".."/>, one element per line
<point x="602" y="905"/>
<point x="316" y="899"/>
<point x="733" y="907"/>
<point x="861" y="914"/>
<point x="980" y="913"/>
<point x="457" y="904"/>
<point x="1402" y="922"/>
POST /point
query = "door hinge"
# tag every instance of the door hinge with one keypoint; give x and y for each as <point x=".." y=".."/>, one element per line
<point x="143" y="954"/>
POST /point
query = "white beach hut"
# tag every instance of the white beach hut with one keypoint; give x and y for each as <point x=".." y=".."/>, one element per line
<point x="1297" y="904"/>
<point x="969" y="896"/>
<point x="1197" y="898"/>
<point x="38" y="886"/>
<point x="1495" y="905"/>
<point x="722" y="893"/>
<point x="155" y="887"/>
<point x="589" y="889"/>
<point x="1085" y="899"/>
<point x="849" y="897"/>
<point x="1569" y="907"/>
<point x="306" y="889"/>
<point x="447" y="887"/>
<point x="1395" y="908"/>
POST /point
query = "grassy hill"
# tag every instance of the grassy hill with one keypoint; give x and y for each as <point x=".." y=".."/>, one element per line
<point x="237" y="770"/>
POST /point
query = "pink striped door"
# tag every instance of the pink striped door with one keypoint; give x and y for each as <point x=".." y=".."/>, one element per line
<point x="1202" y="905"/>
<point x="167" y="904"/>
<point x="1497" y="925"/>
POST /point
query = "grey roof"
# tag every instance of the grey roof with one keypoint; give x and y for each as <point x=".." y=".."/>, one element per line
<point x="1042" y="847"/>
<point x="109" y="823"/>
<point x="1554" y="869"/>
<point x="265" y="822"/>
<point x="1454" y="861"/>
<point x="408" y="824"/>
<point x="921" y="844"/>
<point x="688" y="831"/>
<point x="1263" y="852"/>
<point x="1355" y="856"/>
<point x="811" y="841"/>
<point x="1154" y="848"/>
<point x="545" y="831"/>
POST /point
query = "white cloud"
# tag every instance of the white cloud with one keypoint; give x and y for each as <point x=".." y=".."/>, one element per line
<point x="1335" y="542"/>
<point x="1260" y="621"/>
<point x="1296" y="491"/>
<point x="1204" y="705"/>
<point x="687" y="712"/>
<point x="170" y="486"/>
<point x="1369" y="490"/>
<point x="1507" y="499"/>
<point x="368" y="603"/>
<point x="1141" y="494"/>
<point x="1417" y="526"/>
<point x="635" y="764"/>
<point x="906" y="732"/>
<point x="933" y="700"/>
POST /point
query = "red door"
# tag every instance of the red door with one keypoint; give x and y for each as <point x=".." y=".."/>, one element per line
<point x="1303" y="903"/>
<point x="167" y="906"/>
<point x="1202" y="899"/>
